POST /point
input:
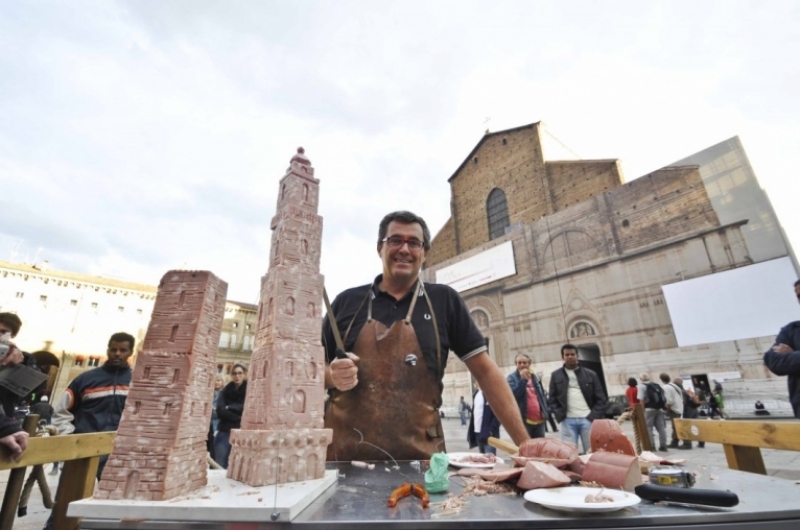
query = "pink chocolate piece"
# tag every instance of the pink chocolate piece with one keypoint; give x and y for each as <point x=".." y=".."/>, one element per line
<point x="282" y="437"/>
<point x="607" y="435"/>
<point x="540" y="475"/>
<point x="548" y="447"/>
<point x="492" y="475"/>
<point x="613" y="470"/>
<point x="558" y="462"/>
<point x="160" y="448"/>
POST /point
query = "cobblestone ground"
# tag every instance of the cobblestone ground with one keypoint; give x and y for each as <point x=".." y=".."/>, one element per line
<point x="783" y="464"/>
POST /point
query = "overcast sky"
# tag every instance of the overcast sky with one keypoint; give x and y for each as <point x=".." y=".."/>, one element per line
<point x="136" y="137"/>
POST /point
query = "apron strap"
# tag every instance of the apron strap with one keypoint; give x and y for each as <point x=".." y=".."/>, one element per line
<point x="435" y="330"/>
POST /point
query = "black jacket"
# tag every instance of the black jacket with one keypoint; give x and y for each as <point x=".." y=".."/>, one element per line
<point x="8" y="425"/>
<point x="591" y="387"/>
<point x="788" y="364"/>
<point x="230" y="405"/>
<point x="93" y="401"/>
<point x="9" y="399"/>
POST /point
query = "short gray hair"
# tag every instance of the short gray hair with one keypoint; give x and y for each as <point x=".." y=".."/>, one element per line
<point x="644" y="377"/>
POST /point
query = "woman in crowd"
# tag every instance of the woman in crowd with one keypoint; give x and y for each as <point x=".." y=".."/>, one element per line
<point x="230" y="405"/>
<point x="631" y="392"/>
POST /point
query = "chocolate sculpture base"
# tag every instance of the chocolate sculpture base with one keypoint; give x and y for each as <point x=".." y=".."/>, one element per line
<point x="221" y="499"/>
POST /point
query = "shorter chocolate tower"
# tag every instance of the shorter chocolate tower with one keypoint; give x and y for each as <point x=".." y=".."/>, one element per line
<point x="160" y="448"/>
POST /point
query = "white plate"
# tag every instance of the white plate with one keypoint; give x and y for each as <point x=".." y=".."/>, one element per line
<point x="573" y="499"/>
<point x="453" y="457"/>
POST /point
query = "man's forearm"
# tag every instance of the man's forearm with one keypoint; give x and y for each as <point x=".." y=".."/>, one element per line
<point x="498" y="394"/>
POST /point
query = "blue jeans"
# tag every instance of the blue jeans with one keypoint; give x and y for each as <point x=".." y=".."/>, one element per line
<point x="222" y="448"/>
<point x="486" y="448"/>
<point x="572" y="428"/>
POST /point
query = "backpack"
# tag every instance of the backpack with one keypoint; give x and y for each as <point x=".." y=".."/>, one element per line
<point x="654" y="397"/>
<point x="688" y="400"/>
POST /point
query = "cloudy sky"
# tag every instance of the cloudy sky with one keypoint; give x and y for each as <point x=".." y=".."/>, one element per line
<point x="141" y="136"/>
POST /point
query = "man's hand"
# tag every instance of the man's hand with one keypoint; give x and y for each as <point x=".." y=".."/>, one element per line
<point x="344" y="372"/>
<point x="17" y="442"/>
<point x="782" y="348"/>
<point x="14" y="355"/>
<point x="525" y="373"/>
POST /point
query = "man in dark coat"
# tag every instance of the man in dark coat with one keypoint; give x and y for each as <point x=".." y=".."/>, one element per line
<point x="784" y="357"/>
<point x="530" y="396"/>
<point x="10" y="324"/>
<point x="576" y="398"/>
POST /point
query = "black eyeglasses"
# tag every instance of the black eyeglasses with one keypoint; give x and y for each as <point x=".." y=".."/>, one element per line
<point x="397" y="242"/>
<point x="238" y="373"/>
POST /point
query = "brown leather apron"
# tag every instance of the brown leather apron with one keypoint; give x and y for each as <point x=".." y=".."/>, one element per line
<point x="395" y="403"/>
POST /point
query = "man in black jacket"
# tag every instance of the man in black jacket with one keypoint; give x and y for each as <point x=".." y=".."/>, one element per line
<point x="784" y="357"/>
<point x="576" y="398"/>
<point x="10" y="323"/>
<point x="12" y="436"/>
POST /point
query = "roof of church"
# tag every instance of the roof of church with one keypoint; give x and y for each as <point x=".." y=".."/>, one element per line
<point x="489" y="135"/>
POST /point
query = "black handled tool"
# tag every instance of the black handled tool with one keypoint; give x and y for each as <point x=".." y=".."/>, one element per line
<point x="655" y="493"/>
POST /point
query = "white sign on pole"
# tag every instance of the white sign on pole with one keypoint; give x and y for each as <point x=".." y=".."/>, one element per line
<point x="480" y="269"/>
<point x="746" y="302"/>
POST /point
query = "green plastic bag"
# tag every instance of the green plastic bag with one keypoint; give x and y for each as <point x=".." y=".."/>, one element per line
<point x="436" y="478"/>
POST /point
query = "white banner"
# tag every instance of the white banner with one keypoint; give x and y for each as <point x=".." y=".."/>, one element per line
<point x="483" y="268"/>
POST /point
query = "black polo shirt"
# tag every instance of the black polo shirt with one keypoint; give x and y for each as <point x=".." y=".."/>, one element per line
<point x="457" y="331"/>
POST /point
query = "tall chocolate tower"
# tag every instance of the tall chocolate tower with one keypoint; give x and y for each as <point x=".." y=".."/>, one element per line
<point x="282" y="438"/>
<point x="160" y="448"/>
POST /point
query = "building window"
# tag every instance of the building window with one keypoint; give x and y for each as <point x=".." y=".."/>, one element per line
<point x="43" y="298"/>
<point x="94" y="305"/>
<point x="139" y="311"/>
<point x="73" y="302"/>
<point x="235" y="324"/>
<point x="20" y="295"/>
<point x="121" y="309"/>
<point x="497" y="213"/>
<point x="247" y="327"/>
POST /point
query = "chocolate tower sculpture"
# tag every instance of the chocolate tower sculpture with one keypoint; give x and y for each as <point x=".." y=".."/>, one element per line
<point x="282" y="438"/>
<point x="160" y="448"/>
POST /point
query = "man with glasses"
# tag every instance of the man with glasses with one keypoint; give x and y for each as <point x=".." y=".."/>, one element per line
<point x="784" y="357"/>
<point x="531" y="400"/>
<point x="385" y="380"/>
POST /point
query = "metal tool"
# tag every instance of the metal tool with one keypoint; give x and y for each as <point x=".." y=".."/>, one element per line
<point x="671" y="476"/>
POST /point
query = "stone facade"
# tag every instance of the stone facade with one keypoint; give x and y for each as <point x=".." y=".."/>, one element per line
<point x="282" y="438"/>
<point x="591" y="255"/>
<point x="160" y="448"/>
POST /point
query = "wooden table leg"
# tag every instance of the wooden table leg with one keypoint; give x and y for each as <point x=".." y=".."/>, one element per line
<point x="745" y="458"/>
<point x="77" y="482"/>
<point x="16" y="479"/>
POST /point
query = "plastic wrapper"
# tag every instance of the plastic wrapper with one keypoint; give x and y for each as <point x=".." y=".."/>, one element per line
<point x="436" y="477"/>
